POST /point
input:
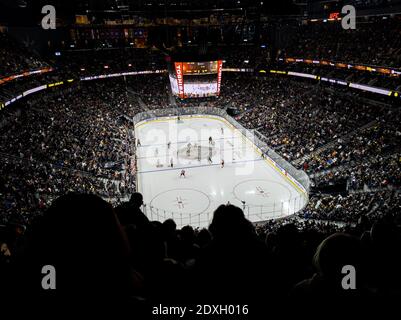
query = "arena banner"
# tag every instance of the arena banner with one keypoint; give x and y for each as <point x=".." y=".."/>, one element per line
<point x="276" y="71"/>
<point x="180" y="78"/>
<point x="13" y="100"/>
<point x="113" y="75"/>
<point x="51" y="85"/>
<point x="335" y="81"/>
<point x="219" y="73"/>
<point x="303" y="75"/>
<point x="345" y="65"/>
<point x="24" y="74"/>
<point x="237" y="70"/>
<point x="370" y="89"/>
<point x="377" y="90"/>
<point x="33" y="90"/>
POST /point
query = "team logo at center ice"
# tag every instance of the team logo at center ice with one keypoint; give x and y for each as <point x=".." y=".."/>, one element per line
<point x="262" y="192"/>
<point x="180" y="202"/>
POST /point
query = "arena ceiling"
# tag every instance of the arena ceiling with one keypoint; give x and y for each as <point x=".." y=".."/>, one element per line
<point x="13" y="10"/>
<point x="17" y="12"/>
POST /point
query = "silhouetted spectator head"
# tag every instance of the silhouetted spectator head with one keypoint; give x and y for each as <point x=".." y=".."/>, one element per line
<point x="287" y="236"/>
<point x="229" y="222"/>
<point x="81" y="237"/>
<point x="187" y="234"/>
<point x="335" y="252"/>
<point x="130" y="213"/>
<point x="169" y="227"/>
<point x="271" y="240"/>
<point x="383" y="233"/>
<point x="203" y="238"/>
<point x="136" y="199"/>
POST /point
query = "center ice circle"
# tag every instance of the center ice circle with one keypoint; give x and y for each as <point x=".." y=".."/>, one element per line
<point x="180" y="201"/>
<point x="197" y="152"/>
<point x="261" y="192"/>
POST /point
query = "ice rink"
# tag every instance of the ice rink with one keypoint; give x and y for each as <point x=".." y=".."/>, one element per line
<point x="247" y="179"/>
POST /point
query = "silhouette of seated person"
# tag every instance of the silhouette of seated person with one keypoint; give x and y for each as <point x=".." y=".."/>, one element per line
<point x="234" y="265"/>
<point x="333" y="253"/>
<point x="130" y="212"/>
<point x="80" y="236"/>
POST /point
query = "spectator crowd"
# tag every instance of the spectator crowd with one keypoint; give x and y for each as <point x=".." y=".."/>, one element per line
<point x="68" y="172"/>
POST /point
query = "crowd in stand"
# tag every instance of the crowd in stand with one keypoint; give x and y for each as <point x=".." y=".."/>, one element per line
<point x="350" y="208"/>
<point x="298" y="119"/>
<point x="83" y="133"/>
<point x="103" y="61"/>
<point x="375" y="41"/>
<point x="79" y="139"/>
<point x="380" y="139"/>
<point x="14" y="59"/>
<point x="15" y="87"/>
<point x="72" y="139"/>
<point x="363" y="77"/>
<point x="126" y="259"/>
<point x="27" y="187"/>
<point x="370" y="159"/>
<point x="65" y="133"/>
<point x="373" y="174"/>
<point x="279" y="109"/>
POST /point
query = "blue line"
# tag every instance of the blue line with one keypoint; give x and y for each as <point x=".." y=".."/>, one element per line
<point x="198" y="166"/>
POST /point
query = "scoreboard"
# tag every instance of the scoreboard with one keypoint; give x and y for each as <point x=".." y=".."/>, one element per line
<point x="190" y="68"/>
<point x="196" y="79"/>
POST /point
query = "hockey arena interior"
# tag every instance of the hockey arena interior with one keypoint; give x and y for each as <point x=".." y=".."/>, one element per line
<point x="168" y="154"/>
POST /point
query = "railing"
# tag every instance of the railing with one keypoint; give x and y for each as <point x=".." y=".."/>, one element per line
<point x="273" y="210"/>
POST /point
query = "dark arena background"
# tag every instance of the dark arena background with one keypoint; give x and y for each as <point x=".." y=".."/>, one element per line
<point x="200" y="159"/>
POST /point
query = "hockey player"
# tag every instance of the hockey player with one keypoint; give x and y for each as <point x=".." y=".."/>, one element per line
<point x="222" y="163"/>
<point x="138" y="143"/>
<point x="168" y="145"/>
<point x="210" y="140"/>
<point x="182" y="174"/>
<point x="189" y="146"/>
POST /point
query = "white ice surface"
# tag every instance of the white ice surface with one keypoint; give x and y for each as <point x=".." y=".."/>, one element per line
<point x="247" y="180"/>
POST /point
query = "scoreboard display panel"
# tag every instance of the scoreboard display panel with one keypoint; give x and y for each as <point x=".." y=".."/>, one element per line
<point x="196" y="68"/>
<point x="196" y="79"/>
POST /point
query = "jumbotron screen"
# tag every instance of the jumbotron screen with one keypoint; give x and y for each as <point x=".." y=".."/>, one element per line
<point x="196" y="79"/>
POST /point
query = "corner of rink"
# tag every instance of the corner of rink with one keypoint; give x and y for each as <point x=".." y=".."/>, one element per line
<point x="189" y="166"/>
